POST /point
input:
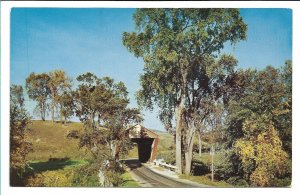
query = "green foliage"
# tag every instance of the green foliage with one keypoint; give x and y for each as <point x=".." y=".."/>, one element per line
<point x="67" y="104"/>
<point x="179" y="48"/>
<point x="259" y="123"/>
<point x="20" y="146"/>
<point x="102" y="105"/>
<point x="261" y="152"/>
<point x="60" y="85"/>
<point x="37" y="86"/>
<point x="284" y="118"/>
<point x="169" y="156"/>
<point x="86" y="176"/>
<point x="236" y="181"/>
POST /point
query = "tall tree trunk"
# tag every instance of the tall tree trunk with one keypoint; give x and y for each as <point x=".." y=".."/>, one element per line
<point x="117" y="153"/>
<point x="180" y="122"/>
<point x="115" y="150"/>
<point x="178" y="139"/>
<point x="61" y="118"/>
<point x="200" y="143"/>
<point x="42" y="107"/>
<point x="52" y="103"/>
<point x="189" y="150"/>
<point x="52" y="110"/>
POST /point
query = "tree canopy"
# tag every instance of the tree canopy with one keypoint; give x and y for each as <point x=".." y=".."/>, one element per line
<point x="38" y="90"/>
<point x="19" y="143"/>
<point x="179" y="47"/>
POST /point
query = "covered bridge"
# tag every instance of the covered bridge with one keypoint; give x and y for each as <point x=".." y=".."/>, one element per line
<point x="147" y="142"/>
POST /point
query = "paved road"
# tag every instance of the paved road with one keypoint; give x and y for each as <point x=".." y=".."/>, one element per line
<point x="150" y="178"/>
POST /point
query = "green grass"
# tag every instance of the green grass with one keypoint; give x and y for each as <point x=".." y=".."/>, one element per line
<point x="40" y="166"/>
<point x="128" y="181"/>
<point x="205" y="179"/>
<point x="56" y="159"/>
<point x="206" y="158"/>
<point x="50" y="141"/>
<point x="166" y="141"/>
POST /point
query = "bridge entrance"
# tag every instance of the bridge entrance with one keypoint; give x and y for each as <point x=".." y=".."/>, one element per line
<point x="147" y="142"/>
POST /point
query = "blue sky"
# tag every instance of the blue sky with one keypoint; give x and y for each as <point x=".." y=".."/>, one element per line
<point x="90" y="40"/>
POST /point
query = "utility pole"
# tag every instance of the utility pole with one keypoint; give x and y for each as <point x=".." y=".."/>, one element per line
<point x="212" y="153"/>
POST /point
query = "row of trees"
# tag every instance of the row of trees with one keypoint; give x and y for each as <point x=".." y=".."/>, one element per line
<point x="197" y="89"/>
<point x="259" y="127"/>
<point x="101" y="104"/>
<point x="52" y="92"/>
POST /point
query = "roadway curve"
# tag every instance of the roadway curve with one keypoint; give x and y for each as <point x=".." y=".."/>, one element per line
<point x="151" y="179"/>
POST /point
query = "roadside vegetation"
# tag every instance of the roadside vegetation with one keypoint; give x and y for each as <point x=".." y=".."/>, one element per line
<point x="201" y="93"/>
<point x="226" y="126"/>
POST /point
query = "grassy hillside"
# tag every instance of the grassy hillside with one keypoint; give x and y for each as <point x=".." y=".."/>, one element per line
<point x="55" y="159"/>
<point x="50" y="141"/>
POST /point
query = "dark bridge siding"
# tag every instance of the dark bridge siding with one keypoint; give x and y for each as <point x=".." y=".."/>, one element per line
<point x="144" y="148"/>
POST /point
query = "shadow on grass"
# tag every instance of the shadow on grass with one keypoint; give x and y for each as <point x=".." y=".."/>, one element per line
<point x="51" y="164"/>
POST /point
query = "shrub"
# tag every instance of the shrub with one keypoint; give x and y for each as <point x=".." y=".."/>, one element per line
<point x="73" y="134"/>
<point x="285" y="182"/>
<point x="199" y="168"/>
<point x="58" y="159"/>
<point x="236" y="181"/>
<point x="36" y="180"/>
<point x="60" y="178"/>
<point x="86" y="176"/>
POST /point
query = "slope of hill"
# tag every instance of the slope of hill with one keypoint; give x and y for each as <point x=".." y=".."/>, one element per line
<point x="56" y="160"/>
<point x="50" y="141"/>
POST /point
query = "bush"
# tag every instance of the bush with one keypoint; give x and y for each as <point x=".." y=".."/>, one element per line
<point x="236" y="181"/>
<point x="86" y="176"/>
<point x="58" y="159"/>
<point x="73" y="134"/>
<point x="113" y="173"/>
<point x="36" y="180"/>
<point x="59" y="178"/>
<point x="285" y="182"/>
<point x="199" y="168"/>
<point x="169" y="157"/>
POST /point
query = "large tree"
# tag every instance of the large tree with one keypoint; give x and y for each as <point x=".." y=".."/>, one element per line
<point x="37" y="86"/>
<point x="102" y="105"/>
<point x="284" y="124"/>
<point x="19" y="144"/>
<point x="58" y="84"/>
<point x="66" y="105"/>
<point x="178" y="47"/>
<point x="260" y="127"/>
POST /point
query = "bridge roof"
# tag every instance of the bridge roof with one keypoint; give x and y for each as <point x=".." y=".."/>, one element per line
<point x="139" y="131"/>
